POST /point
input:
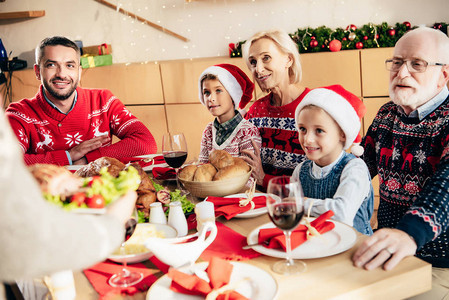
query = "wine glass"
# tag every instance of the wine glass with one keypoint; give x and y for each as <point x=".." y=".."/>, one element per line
<point x="174" y="150"/>
<point x="126" y="277"/>
<point x="285" y="204"/>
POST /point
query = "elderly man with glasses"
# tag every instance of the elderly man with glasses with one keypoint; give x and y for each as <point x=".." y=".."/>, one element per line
<point x="407" y="146"/>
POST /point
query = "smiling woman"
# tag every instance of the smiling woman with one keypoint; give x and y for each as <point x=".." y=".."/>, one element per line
<point x="273" y="59"/>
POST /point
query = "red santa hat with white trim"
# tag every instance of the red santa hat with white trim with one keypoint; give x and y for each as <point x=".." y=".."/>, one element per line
<point x="234" y="80"/>
<point x="344" y="107"/>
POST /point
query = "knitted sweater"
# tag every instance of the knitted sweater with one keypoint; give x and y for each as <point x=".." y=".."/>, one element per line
<point x="281" y="151"/>
<point x="239" y="140"/>
<point x="45" y="134"/>
<point x="412" y="161"/>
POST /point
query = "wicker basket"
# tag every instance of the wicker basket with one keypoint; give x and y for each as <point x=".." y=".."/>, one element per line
<point x="218" y="188"/>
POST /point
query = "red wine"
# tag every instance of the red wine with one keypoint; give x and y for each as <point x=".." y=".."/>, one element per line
<point x="175" y="159"/>
<point x="130" y="226"/>
<point x="286" y="215"/>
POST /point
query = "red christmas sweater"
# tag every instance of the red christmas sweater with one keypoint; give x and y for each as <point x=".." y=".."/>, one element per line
<point x="281" y="151"/>
<point x="45" y="134"/>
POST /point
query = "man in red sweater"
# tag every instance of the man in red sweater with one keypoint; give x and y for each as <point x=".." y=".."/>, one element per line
<point x="65" y="124"/>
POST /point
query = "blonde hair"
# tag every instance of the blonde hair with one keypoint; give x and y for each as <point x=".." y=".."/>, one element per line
<point x="285" y="44"/>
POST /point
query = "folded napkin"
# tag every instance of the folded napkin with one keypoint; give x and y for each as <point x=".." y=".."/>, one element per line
<point x="143" y="162"/>
<point x="275" y="238"/>
<point x="219" y="272"/>
<point x="228" y="245"/>
<point x="99" y="274"/>
<point x="230" y="207"/>
<point x="163" y="173"/>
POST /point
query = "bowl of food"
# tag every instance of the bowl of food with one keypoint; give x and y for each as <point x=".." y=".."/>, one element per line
<point x="224" y="175"/>
<point x="134" y="250"/>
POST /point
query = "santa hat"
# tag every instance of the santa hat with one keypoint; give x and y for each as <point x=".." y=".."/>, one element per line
<point x="234" y="80"/>
<point x="344" y="107"/>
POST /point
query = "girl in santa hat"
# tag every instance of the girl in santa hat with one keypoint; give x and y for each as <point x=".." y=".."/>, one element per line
<point x="328" y="123"/>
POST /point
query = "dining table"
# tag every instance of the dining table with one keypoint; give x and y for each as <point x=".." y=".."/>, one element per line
<point x="331" y="277"/>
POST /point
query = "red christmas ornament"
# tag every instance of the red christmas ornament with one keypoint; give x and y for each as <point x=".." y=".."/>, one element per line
<point x="365" y="37"/>
<point x="391" y="32"/>
<point x="407" y="24"/>
<point x="231" y="48"/>
<point x="312" y="37"/>
<point x="344" y="38"/>
<point x="377" y="36"/>
<point x="313" y="43"/>
<point x="359" y="45"/>
<point x="351" y="27"/>
<point x="335" y="45"/>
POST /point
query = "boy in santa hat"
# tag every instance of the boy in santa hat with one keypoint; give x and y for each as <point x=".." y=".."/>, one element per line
<point x="328" y="120"/>
<point x="223" y="89"/>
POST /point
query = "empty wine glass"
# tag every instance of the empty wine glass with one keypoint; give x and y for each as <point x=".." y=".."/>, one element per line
<point x="285" y="203"/>
<point x="174" y="150"/>
<point x="126" y="277"/>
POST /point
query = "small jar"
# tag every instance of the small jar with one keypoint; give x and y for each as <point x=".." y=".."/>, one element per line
<point x="157" y="215"/>
<point x="204" y="213"/>
<point x="177" y="219"/>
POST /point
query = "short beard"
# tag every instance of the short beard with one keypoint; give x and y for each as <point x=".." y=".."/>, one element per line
<point x="54" y="94"/>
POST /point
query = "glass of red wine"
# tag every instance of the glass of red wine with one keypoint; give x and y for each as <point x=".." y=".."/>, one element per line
<point x="125" y="277"/>
<point x="285" y="204"/>
<point x="174" y="150"/>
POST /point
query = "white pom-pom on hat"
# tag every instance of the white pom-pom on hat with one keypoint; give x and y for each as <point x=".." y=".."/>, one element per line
<point x="344" y="107"/>
<point x="234" y="80"/>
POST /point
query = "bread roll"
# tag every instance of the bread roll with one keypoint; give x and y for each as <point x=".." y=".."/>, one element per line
<point x="230" y="172"/>
<point x="240" y="162"/>
<point x="205" y="173"/>
<point x="187" y="173"/>
<point x="220" y="159"/>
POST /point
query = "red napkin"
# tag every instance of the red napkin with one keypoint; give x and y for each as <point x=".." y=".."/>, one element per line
<point x="143" y="162"/>
<point x="163" y="173"/>
<point x="229" y="207"/>
<point x="99" y="274"/>
<point x="228" y="245"/>
<point x="275" y="238"/>
<point x="219" y="272"/>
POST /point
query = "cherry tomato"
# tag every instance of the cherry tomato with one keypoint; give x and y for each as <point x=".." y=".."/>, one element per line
<point x="78" y="198"/>
<point x="96" y="201"/>
<point x="94" y="179"/>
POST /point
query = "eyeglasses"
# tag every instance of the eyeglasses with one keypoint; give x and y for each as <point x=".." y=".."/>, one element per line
<point x="413" y="65"/>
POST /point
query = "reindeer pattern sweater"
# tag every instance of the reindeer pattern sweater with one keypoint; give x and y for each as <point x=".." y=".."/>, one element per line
<point x="281" y="151"/>
<point x="45" y="134"/>
<point x="411" y="158"/>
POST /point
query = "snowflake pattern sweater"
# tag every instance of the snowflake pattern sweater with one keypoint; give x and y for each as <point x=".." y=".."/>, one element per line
<point x="411" y="158"/>
<point x="281" y="151"/>
<point x="45" y="134"/>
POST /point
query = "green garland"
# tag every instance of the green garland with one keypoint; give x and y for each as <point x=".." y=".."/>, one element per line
<point x="368" y="36"/>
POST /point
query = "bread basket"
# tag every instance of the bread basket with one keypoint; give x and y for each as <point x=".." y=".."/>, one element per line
<point x="219" y="188"/>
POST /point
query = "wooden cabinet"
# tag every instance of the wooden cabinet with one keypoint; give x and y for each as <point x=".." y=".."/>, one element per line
<point x="24" y="84"/>
<point x="137" y="83"/>
<point x="375" y="77"/>
<point x="191" y="119"/>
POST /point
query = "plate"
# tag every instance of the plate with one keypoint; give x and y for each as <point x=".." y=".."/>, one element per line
<point x="261" y="287"/>
<point x="168" y="231"/>
<point x="339" y="239"/>
<point x="74" y="167"/>
<point x="250" y="213"/>
<point x="149" y="168"/>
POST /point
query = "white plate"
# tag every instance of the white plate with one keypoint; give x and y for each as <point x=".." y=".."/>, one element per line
<point x="149" y="168"/>
<point x="339" y="239"/>
<point x="252" y="213"/>
<point x="262" y="285"/>
<point x="168" y="231"/>
<point x="74" y="167"/>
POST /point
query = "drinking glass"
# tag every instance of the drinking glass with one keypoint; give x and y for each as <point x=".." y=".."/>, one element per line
<point x="285" y="203"/>
<point x="126" y="277"/>
<point x="174" y="150"/>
